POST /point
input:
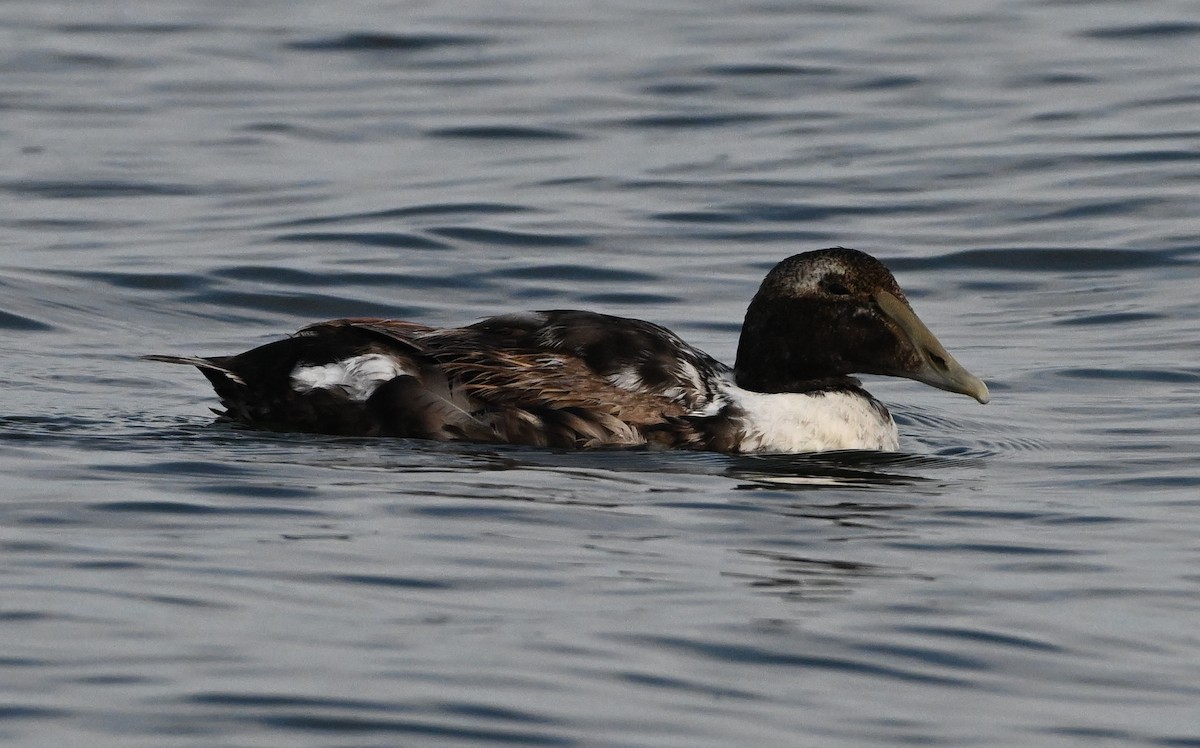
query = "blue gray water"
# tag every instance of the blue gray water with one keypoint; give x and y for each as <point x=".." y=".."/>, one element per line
<point x="198" y="178"/>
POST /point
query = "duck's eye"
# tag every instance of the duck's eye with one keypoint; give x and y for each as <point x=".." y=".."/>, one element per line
<point x="836" y="288"/>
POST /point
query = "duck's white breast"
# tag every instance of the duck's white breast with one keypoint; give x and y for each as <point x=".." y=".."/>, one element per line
<point x="812" y="422"/>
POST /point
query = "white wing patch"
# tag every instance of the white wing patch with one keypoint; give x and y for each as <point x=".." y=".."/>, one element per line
<point x="630" y="378"/>
<point x="796" y="422"/>
<point x="358" y="376"/>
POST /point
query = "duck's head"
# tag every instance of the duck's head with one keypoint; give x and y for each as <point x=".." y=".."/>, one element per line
<point x="835" y="312"/>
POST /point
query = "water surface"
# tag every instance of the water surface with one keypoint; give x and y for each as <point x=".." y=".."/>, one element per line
<point x="197" y="179"/>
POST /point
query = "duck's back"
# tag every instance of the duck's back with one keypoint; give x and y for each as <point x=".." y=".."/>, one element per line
<point x="556" y="378"/>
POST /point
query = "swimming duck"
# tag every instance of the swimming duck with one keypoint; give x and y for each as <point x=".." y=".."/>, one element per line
<point x="566" y="378"/>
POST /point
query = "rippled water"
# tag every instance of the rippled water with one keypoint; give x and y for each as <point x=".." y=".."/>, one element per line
<point x="203" y="177"/>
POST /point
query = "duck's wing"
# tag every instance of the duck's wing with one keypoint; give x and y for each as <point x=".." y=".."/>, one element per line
<point x="629" y="355"/>
<point x="570" y="378"/>
<point x="557" y="378"/>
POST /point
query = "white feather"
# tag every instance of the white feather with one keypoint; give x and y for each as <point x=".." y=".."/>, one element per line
<point x="811" y="422"/>
<point x="628" y="378"/>
<point x="358" y="376"/>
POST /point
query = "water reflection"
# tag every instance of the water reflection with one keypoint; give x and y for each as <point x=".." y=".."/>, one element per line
<point x="847" y="469"/>
<point x="799" y="577"/>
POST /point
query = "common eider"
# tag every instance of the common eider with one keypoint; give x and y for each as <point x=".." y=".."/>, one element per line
<point x="566" y="379"/>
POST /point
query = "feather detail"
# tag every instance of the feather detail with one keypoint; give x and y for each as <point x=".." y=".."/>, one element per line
<point x="203" y="364"/>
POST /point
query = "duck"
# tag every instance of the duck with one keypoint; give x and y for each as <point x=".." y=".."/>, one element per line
<point x="569" y="379"/>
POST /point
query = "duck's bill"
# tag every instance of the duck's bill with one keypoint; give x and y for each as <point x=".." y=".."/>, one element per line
<point x="937" y="367"/>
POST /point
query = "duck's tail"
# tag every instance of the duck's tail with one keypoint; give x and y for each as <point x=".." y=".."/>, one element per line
<point x="205" y="365"/>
